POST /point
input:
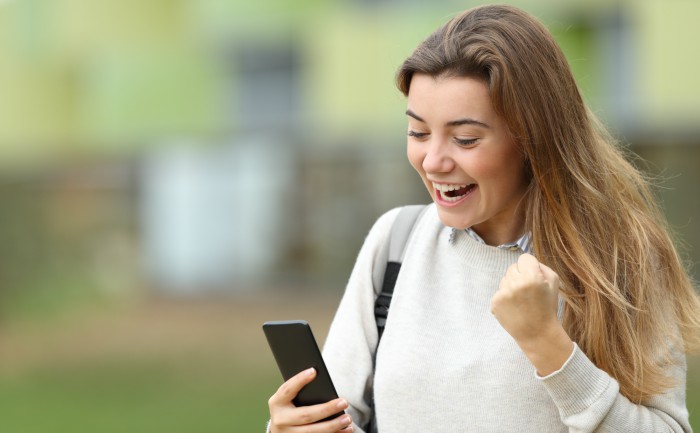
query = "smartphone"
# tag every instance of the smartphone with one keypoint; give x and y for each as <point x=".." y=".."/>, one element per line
<point x="294" y="347"/>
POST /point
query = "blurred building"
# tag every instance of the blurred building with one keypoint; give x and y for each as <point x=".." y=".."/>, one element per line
<point x="196" y="146"/>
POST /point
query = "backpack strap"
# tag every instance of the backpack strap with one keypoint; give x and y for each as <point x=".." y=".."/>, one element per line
<point x="389" y="260"/>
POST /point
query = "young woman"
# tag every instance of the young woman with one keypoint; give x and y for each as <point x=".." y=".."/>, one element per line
<point x="540" y="292"/>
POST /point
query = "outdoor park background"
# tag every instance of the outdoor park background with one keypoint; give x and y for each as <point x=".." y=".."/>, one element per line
<point x="175" y="172"/>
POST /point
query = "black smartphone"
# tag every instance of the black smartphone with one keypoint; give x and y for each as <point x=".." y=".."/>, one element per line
<point x="294" y="347"/>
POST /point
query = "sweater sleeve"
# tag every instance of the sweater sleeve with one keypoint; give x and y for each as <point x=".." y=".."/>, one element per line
<point x="589" y="400"/>
<point x="352" y="339"/>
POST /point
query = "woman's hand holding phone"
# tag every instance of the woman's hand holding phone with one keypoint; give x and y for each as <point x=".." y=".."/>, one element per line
<point x="286" y="417"/>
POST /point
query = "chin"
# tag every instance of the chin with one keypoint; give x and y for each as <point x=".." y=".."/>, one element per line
<point x="451" y="220"/>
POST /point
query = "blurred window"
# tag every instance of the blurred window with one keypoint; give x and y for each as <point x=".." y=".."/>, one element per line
<point x="268" y="86"/>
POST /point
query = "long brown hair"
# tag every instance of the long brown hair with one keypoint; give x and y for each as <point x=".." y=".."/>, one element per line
<point x="630" y="304"/>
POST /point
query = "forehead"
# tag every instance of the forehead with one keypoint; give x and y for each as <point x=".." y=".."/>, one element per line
<point x="445" y="97"/>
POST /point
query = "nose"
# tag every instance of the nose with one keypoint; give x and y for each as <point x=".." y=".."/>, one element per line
<point x="437" y="157"/>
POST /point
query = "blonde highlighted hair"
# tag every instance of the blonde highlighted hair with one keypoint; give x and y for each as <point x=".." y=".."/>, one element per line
<point x="630" y="304"/>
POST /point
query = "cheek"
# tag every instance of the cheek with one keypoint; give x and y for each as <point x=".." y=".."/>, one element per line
<point x="502" y="173"/>
<point x="508" y="177"/>
<point x="415" y="157"/>
<point x="480" y="169"/>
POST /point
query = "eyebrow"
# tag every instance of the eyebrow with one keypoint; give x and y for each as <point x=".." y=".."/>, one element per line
<point x="458" y="122"/>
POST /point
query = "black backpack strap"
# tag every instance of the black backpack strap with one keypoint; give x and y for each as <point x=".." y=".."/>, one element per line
<point x="390" y="259"/>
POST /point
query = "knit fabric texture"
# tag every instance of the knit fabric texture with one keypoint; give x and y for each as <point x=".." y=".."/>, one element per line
<point x="446" y="365"/>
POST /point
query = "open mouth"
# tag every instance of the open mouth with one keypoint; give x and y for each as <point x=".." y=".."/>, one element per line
<point x="452" y="193"/>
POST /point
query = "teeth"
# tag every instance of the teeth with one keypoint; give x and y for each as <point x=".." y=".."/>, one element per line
<point x="443" y="188"/>
<point x="449" y="187"/>
<point x="451" y="199"/>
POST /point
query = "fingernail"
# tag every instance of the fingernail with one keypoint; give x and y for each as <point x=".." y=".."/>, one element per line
<point x="310" y="371"/>
<point x="347" y="420"/>
<point x="342" y="404"/>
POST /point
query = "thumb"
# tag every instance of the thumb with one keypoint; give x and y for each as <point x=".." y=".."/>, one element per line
<point x="551" y="277"/>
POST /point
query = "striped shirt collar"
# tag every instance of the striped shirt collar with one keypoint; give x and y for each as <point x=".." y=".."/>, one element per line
<point x="524" y="243"/>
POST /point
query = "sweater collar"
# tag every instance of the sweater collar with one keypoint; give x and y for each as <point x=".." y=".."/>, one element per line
<point x="522" y="244"/>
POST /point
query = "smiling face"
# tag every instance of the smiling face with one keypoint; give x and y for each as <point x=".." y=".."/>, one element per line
<point x="466" y="156"/>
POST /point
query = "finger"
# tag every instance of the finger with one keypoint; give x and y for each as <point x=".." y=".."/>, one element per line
<point x="311" y="414"/>
<point x="503" y="283"/>
<point x="289" y="389"/>
<point x="527" y="263"/>
<point x="348" y="429"/>
<point x="342" y="423"/>
<point x="512" y="271"/>
<point x="495" y="301"/>
<point x="550" y="276"/>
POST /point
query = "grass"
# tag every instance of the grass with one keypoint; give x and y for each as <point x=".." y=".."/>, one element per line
<point x="134" y="397"/>
<point x="157" y="368"/>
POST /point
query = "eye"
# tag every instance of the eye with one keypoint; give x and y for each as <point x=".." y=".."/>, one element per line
<point x="417" y="135"/>
<point x="465" y="141"/>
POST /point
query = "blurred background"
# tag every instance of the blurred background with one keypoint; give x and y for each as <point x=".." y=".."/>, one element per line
<point x="175" y="172"/>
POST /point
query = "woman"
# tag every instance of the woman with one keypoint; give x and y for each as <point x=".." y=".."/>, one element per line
<point x="541" y="291"/>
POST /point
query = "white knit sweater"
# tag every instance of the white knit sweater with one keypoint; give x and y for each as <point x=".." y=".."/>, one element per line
<point x="446" y="365"/>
